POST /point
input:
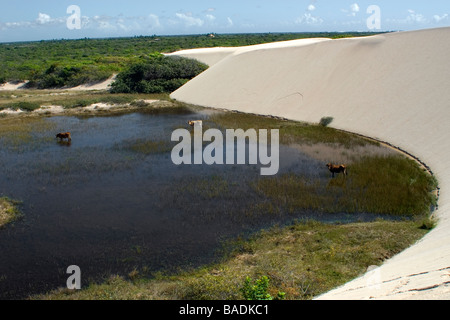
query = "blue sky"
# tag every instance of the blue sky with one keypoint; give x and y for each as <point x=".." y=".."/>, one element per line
<point x="24" y="20"/>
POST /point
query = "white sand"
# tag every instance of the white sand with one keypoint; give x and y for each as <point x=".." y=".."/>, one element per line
<point x="49" y="109"/>
<point x="211" y="56"/>
<point x="393" y="87"/>
<point x="11" y="111"/>
<point x="104" y="85"/>
<point x="99" y="106"/>
<point x="8" y="86"/>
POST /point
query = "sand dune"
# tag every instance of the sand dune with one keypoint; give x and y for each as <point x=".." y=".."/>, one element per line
<point x="211" y="56"/>
<point x="393" y="87"/>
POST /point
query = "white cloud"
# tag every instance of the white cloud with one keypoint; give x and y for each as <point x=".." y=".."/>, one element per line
<point x="122" y="23"/>
<point x="189" y="20"/>
<point x="354" y="8"/>
<point x="230" y="22"/>
<point x="415" y="17"/>
<point x="308" y="18"/>
<point x="12" y="25"/>
<point x="438" y="18"/>
<point x="154" y="21"/>
<point x="210" y="17"/>
<point x="311" y="7"/>
<point x="43" y="18"/>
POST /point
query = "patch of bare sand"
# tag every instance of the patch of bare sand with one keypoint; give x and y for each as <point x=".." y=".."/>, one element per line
<point x="49" y="110"/>
<point x="99" y="86"/>
<point x="104" y="85"/>
<point x="10" y="111"/>
<point x="12" y="86"/>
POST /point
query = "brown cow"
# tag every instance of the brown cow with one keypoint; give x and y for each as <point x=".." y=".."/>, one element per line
<point x="337" y="169"/>
<point x="65" y="135"/>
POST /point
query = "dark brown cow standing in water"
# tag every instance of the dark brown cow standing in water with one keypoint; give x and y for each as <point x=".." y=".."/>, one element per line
<point x="337" y="169"/>
<point x="65" y="135"/>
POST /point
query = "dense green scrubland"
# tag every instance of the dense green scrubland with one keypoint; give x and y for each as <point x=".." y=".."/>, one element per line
<point x="157" y="74"/>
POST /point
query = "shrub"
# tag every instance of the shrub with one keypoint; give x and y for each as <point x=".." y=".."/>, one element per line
<point x="25" y="106"/>
<point x="427" y="223"/>
<point x="325" y="121"/>
<point x="258" y="290"/>
<point x="56" y="76"/>
<point x="157" y="74"/>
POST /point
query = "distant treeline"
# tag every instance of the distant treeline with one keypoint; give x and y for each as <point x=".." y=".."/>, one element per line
<point x="59" y="63"/>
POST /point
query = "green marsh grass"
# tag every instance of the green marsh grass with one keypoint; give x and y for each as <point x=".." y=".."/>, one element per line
<point x="303" y="260"/>
<point x="290" y="131"/>
<point x="393" y="185"/>
<point x="148" y="146"/>
<point x="208" y="188"/>
<point x="18" y="132"/>
<point x="9" y="211"/>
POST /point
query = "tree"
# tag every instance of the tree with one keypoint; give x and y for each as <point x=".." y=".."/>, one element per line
<point x="156" y="74"/>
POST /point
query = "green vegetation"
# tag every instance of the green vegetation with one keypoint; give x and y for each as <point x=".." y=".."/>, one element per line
<point x="8" y="211"/>
<point x="56" y="76"/>
<point x="17" y="133"/>
<point x="290" y="131"/>
<point x="258" y="290"/>
<point x="157" y="74"/>
<point x="24" y="105"/>
<point x="207" y="188"/>
<point x="325" y="121"/>
<point x="148" y="146"/>
<point x="29" y="100"/>
<point x="299" y="261"/>
<point x="302" y="261"/>
<point x="59" y="63"/>
<point x="391" y="185"/>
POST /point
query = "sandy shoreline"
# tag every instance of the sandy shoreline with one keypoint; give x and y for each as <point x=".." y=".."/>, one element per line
<point x="93" y="108"/>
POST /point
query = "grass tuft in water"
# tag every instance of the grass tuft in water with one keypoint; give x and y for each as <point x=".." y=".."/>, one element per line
<point x="148" y="146"/>
<point x="9" y="211"/>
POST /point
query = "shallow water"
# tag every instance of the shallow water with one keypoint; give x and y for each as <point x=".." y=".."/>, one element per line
<point x="109" y="210"/>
